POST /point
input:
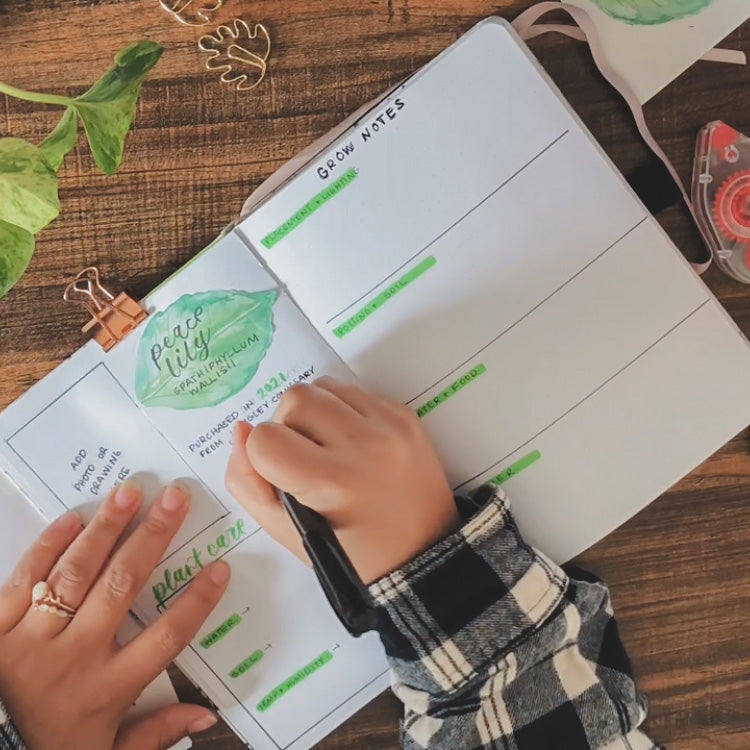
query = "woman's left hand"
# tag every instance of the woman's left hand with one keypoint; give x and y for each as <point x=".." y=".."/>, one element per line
<point x="65" y="682"/>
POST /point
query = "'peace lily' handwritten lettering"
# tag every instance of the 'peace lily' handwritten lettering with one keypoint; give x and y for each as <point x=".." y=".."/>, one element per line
<point x="203" y="348"/>
<point x="173" y="579"/>
<point x="185" y="343"/>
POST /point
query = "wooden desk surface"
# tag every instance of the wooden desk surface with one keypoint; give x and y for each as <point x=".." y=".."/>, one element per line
<point x="679" y="571"/>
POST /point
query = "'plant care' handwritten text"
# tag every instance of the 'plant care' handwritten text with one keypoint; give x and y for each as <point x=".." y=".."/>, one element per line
<point x="173" y="579"/>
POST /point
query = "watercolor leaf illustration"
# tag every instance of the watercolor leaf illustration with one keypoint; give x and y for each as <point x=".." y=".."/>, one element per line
<point x="204" y="348"/>
<point x="651" y="12"/>
<point x="239" y="52"/>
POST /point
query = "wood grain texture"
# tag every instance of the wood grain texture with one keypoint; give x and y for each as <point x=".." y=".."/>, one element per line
<point x="679" y="571"/>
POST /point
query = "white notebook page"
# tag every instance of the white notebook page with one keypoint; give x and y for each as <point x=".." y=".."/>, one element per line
<point x="467" y="248"/>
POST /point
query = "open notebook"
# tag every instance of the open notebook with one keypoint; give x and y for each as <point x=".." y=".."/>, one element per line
<point x="465" y="247"/>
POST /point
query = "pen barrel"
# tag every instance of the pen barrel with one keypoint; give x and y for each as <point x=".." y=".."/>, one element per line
<point x="347" y="594"/>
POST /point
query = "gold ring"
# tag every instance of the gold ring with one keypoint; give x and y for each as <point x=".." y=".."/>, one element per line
<point x="45" y="600"/>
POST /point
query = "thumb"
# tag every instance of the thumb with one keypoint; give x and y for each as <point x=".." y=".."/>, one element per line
<point x="249" y="488"/>
<point x="164" y="728"/>
<point x="257" y="496"/>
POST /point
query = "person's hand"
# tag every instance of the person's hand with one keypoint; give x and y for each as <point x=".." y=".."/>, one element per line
<point x="364" y="462"/>
<point x="65" y="682"/>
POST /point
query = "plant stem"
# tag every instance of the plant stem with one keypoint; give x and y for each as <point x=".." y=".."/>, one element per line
<point x="33" y="96"/>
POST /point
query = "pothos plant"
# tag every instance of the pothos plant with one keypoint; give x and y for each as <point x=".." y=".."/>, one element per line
<point x="28" y="173"/>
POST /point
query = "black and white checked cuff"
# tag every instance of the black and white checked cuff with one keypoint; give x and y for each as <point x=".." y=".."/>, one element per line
<point x="466" y="600"/>
<point x="9" y="737"/>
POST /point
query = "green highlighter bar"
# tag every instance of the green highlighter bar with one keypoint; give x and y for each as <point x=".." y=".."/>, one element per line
<point x="218" y="633"/>
<point x="300" y="675"/>
<point x="246" y="664"/>
<point x="451" y="390"/>
<point x="516" y="468"/>
<point x="309" y="209"/>
<point x="379" y="300"/>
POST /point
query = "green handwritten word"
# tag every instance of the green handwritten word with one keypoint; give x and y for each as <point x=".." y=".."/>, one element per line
<point x="309" y="208"/>
<point x="377" y="302"/>
<point x="516" y="468"/>
<point x="451" y="390"/>
<point x="216" y="635"/>
<point x="173" y="579"/>
<point x="294" y="680"/>
<point x="243" y="666"/>
<point x="272" y="385"/>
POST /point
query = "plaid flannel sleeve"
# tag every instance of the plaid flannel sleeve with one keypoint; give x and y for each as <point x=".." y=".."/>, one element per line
<point x="492" y="645"/>
<point x="9" y="737"/>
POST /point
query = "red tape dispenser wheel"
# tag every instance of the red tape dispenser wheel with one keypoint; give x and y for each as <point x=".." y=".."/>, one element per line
<point x="732" y="207"/>
<point x="721" y="195"/>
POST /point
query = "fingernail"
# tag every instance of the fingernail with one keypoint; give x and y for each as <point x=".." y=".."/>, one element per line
<point x="127" y="495"/>
<point x="175" y="498"/>
<point x="219" y="573"/>
<point x="200" y="725"/>
<point x="236" y="442"/>
<point x="237" y="437"/>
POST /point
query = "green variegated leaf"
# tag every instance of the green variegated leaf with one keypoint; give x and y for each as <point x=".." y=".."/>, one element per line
<point x="203" y="348"/>
<point x="16" y="249"/>
<point x="61" y="140"/>
<point x="107" y="108"/>
<point x="28" y="186"/>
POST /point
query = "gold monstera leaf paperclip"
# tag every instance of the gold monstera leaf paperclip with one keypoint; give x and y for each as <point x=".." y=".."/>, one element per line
<point x="239" y="52"/>
<point x="190" y="12"/>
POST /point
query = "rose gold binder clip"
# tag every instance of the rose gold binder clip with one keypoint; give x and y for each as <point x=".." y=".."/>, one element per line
<point x="115" y="317"/>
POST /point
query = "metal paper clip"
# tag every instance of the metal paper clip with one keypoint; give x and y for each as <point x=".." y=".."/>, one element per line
<point x="233" y="38"/>
<point x="197" y="15"/>
<point x="115" y="317"/>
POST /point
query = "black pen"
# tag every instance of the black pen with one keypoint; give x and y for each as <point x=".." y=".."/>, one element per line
<point x="345" y="590"/>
